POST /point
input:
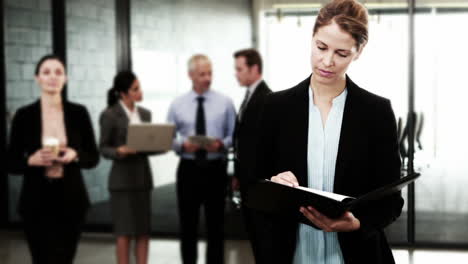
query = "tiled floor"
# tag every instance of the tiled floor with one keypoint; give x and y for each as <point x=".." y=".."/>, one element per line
<point x="99" y="248"/>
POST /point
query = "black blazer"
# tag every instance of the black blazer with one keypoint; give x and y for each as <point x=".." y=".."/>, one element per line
<point x="367" y="158"/>
<point x="246" y="134"/>
<point x="25" y="140"/>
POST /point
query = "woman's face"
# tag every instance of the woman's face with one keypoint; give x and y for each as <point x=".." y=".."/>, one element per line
<point x="332" y="52"/>
<point x="134" y="94"/>
<point x="51" y="76"/>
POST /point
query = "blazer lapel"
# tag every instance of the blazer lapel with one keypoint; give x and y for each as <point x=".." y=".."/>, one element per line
<point x="301" y="106"/>
<point x="253" y="100"/>
<point x="68" y="120"/>
<point x="346" y="136"/>
<point x="143" y="116"/>
<point x="36" y="123"/>
<point x="120" y="112"/>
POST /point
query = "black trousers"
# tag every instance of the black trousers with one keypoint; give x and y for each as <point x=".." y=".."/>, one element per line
<point x="53" y="234"/>
<point x="259" y="231"/>
<point x="52" y="244"/>
<point x="257" y="224"/>
<point x="201" y="184"/>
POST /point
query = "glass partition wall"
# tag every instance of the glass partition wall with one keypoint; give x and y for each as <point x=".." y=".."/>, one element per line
<point x="441" y="145"/>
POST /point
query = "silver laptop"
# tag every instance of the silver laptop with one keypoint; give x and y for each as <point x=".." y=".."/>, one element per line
<point x="149" y="137"/>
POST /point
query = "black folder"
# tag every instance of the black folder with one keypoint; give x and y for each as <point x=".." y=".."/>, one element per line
<point x="271" y="197"/>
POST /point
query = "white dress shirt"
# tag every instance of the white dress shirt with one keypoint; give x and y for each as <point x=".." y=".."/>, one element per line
<point x="133" y="116"/>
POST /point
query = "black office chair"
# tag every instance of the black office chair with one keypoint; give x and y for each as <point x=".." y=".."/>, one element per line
<point x="419" y="129"/>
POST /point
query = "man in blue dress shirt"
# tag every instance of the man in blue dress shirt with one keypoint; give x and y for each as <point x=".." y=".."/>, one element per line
<point x="201" y="174"/>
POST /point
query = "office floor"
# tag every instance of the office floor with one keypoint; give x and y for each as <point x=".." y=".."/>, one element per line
<point x="99" y="248"/>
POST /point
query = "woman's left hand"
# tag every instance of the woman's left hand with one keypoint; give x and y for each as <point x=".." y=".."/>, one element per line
<point x="346" y="223"/>
<point x="67" y="155"/>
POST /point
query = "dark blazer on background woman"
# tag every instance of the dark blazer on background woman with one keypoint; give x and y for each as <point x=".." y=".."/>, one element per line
<point x="25" y="140"/>
<point x="132" y="173"/>
<point x="368" y="158"/>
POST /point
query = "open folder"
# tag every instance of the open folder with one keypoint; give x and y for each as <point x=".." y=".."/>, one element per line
<point x="273" y="197"/>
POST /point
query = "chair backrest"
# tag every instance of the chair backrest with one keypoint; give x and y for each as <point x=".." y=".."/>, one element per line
<point x="418" y="130"/>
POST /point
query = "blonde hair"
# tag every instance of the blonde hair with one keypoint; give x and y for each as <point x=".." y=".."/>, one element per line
<point x="196" y="59"/>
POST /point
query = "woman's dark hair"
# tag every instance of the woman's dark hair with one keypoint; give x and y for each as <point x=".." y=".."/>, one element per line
<point x="48" y="57"/>
<point x="122" y="83"/>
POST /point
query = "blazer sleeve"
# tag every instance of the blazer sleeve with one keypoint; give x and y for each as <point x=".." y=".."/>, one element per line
<point x="88" y="154"/>
<point x="17" y="156"/>
<point x="265" y="145"/>
<point x="378" y="215"/>
<point x="108" y="131"/>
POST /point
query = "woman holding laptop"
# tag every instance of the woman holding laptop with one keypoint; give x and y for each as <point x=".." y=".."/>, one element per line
<point x="130" y="179"/>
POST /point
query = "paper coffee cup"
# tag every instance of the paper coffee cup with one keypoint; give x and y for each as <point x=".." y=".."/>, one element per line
<point x="52" y="144"/>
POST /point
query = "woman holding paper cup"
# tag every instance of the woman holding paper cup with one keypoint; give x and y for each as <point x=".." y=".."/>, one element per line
<point x="327" y="133"/>
<point x="51" y="140"/>
<point x="130" y="179"/>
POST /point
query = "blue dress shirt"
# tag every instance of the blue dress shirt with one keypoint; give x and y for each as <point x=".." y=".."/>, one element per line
<point x="220" y="118"/>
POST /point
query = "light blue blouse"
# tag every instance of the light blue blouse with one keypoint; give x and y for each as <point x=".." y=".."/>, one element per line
<point x="313" y="245"/>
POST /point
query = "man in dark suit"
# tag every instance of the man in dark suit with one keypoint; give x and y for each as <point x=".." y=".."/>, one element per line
<point x="249" y="74"/>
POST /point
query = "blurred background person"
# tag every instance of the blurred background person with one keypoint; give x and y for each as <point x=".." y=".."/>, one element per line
<point x="202" y="172"/>
<point x="248" y="66"/>
<point x="130" y="179"/>
<point x="51" y="140"/>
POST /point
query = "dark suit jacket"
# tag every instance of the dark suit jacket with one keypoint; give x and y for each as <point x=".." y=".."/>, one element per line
<point x="246" y="135"/>
<point x="25" y="140"/>
<point x="132" y="173"/>
<point x="367" y="158"/>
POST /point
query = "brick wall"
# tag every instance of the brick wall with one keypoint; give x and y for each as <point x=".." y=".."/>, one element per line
<point x="91" y="59"/>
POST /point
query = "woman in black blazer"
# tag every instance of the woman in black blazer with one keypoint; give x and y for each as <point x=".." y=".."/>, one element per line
<point x="330" y="134"/>
<point x="53" y="199"/>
